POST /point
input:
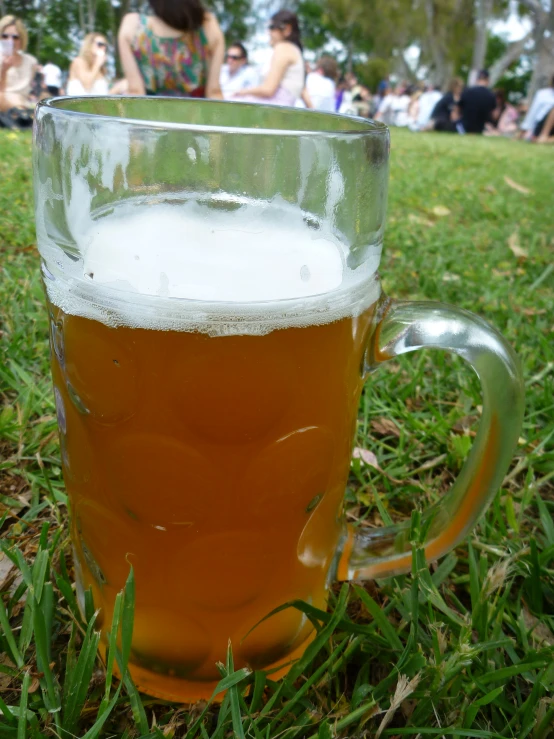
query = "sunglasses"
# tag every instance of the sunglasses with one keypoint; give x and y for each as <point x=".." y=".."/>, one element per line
<point x="101" y="45"/>
<point x="276" y="27"/>
<point x="13" y="36"/>
<point x="233" y="56"/>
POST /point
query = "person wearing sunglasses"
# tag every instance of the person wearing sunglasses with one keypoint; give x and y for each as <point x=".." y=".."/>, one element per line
<point x="176" y="50"/>
<point x="236" y="73"/>
<point x="284" y="80"/>
<point x="17" y="68"/>
<point x="87" y="73"/>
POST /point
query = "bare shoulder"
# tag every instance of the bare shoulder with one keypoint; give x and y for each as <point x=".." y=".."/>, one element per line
<point x="77" y="64"/>
<point x="286" y="51"/>
<point x="129" y="25"/>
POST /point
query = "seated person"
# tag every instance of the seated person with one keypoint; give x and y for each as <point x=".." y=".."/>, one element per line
<point x="445" y="113"/>
<point x="477" y="104"/>
<point x="320" y="90"/>
<point x="87" y="73"/>
<point x="505" y="117"/>
<point x="536" y="118"/>
<point x="17" y="68"/>
<point x="236" y="73"/>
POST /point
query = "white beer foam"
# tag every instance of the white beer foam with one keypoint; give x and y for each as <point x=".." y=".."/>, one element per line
<point x="174" y="253"/>
<point x="194" y="268"/>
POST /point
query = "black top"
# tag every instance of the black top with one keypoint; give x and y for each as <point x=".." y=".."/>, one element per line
<point x="443" y="108"/>
<point x="476" y="104"/>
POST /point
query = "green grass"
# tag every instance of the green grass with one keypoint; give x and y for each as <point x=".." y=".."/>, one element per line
<point x="463" y="648"/>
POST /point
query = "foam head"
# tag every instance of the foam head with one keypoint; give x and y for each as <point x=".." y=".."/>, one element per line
<point x="180" y="253"/>
<point x="219" y="270"/>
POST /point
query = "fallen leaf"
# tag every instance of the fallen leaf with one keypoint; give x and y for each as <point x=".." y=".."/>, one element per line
<point x="366" y="456"/>
<point x="5" y="567"/>
<point x="385" y="427"/>
<point x="515" y="248"/>
<point x="516" y="186"/>
<point x="463" y="425"/>
<point x="539" y="630"/>
<point x="441" y="211"/>
<point x="5" y="677"/>
<point x="414" y="218"/>
<point x="490" y="188"/>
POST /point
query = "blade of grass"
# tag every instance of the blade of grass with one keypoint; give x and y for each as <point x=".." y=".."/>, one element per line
<point x="7" y="714"/>
<point x="8" y="635"/>
<point x="42" y="638"/>
<point x="78" y="680"/>
<point x="22" y="721"/>
<point x="380" y="618"/>
<point x="236" y="717"/>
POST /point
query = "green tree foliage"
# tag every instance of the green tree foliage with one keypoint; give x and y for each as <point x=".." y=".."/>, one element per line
<point x="235" y="18"/>
<point x="56" y="27"/>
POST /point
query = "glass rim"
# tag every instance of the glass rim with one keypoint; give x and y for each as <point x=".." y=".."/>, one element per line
<point x="357" y="126"/>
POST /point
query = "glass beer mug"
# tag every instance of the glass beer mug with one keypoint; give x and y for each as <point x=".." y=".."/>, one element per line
<point x="211" y="272"/>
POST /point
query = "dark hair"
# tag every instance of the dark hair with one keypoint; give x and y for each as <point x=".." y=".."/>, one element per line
<point x="328" y="66"/>
<point x="183" y="15"/>
<point x="455" y="84"/>
<point x="239" y="45"/>
<point x="288" y="18"/>
<point x="500" y="96"/>
<point x="483" y="74"/>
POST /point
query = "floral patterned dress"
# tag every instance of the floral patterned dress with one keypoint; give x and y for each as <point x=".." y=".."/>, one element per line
<point x="171" y="66"/>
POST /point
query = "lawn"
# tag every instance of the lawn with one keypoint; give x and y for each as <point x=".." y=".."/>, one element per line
<point x="464" y="648"/>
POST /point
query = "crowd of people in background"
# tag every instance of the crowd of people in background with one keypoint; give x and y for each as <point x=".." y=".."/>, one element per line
<point x="178" y="49"/>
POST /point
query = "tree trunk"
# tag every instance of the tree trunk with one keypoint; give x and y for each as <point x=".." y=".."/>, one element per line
<point x="442" y="69"/>
<point x="91" y="15"/>
<point x="350" y="54"/>
<point x="543" y="71"/>
<point x="483" y="11"/>
<point x="512" y="53"/>
<point x="543" y="34"/>
<point x="544" y="66"/>
<point x="404" y="69"/>
<point x="82" y="17"/>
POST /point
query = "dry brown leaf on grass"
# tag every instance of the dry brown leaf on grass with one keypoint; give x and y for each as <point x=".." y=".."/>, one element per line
<point x="6" y="678"/>
<point x="450" y="277"/>
<point x="440" y="211"/>
<point x="370" y="460"/>
<point x="516" y="186"/>
<point x="367" y="457"/>
<point x="385" y="427"/>
<point x="414" y="218"/>
<point x="5" y="568"/>
<point x="539" y="631"/>
<point x="515" y="248"/>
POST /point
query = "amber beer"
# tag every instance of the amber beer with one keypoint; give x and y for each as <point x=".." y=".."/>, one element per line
<point x="215" y="465"/>
<point x="211" y="273"/>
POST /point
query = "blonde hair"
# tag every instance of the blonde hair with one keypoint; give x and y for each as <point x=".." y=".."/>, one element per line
<point x="11" y="20"/>
<point x="85" y="52"/>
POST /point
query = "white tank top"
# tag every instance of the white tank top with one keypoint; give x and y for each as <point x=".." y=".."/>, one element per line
<point x="293" y="79"/>
<point x="99" y="87"/>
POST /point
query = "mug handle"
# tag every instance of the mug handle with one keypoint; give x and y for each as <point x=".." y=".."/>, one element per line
<point x="408" y="326"/>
